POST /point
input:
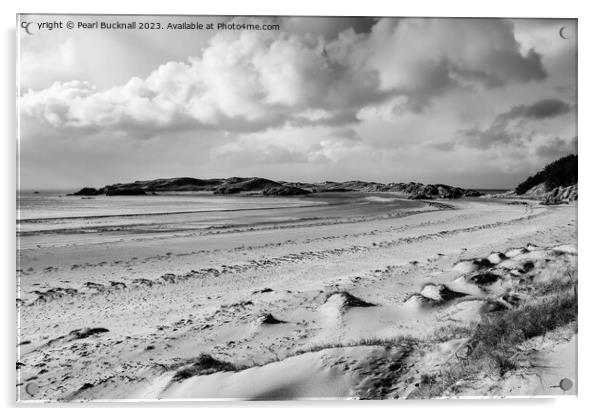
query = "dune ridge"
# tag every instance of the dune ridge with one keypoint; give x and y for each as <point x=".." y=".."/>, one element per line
<point x="267" y="187"/>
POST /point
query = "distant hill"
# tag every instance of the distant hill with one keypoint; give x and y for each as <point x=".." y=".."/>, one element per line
<point x="562" y="172"/>
<point x="267" y="187"/>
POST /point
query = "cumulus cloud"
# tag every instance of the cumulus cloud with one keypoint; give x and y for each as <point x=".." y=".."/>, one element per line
<point x="249" y="81"/>
<point x="473" y="53"/>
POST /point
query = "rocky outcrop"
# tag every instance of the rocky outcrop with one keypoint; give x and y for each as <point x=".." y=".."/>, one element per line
<point x="561" y="195"/>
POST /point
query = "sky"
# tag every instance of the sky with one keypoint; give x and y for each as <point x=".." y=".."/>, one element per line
<point x="478" y="103"/>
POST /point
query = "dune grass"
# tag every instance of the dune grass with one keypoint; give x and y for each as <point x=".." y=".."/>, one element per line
<point x="493" y="343"/>
<point x="364" y="342"/>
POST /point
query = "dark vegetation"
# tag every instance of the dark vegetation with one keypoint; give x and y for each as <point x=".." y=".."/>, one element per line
<point x="562" y="172"/>
<point x="515" y="326"/>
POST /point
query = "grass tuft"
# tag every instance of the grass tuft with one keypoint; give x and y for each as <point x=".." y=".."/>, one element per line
<point x="493" y="342"/>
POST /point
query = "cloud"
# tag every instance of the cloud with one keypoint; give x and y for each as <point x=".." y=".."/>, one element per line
<point x="249" y="81"/>
<point x="424" y="58"/>
<point x="555" y="148"/>
<point x="288" y="144"/>
<point x="547" y="108"/>
<point x="496" y="135"/>
<point x="509" y="127"/>
<point x="59" y="62"/>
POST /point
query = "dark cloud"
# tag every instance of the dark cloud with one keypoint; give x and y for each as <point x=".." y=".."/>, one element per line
<point x="523" y="68"/>
<point x="546" y="108"/>
<point x="505" y="130"/>
<point x="436" y="79"/>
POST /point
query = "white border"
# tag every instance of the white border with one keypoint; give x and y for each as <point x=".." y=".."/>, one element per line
<point x="589" y="205"/>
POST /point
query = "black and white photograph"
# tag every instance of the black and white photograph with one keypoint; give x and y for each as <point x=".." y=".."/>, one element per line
<point x="217" y="207"/>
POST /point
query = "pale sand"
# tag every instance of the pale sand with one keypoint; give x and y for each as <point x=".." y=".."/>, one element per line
<point x="188" y="294"/>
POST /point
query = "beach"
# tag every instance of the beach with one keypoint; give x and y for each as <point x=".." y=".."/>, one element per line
<point x="337" y="295"/>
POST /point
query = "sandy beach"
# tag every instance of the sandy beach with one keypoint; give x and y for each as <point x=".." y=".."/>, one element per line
<point x="357" y="296"/>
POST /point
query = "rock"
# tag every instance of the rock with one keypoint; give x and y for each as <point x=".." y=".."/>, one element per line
<point x="560" y="195"/>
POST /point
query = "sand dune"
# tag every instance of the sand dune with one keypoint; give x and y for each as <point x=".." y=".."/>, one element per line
<point x="373" y="304"/>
